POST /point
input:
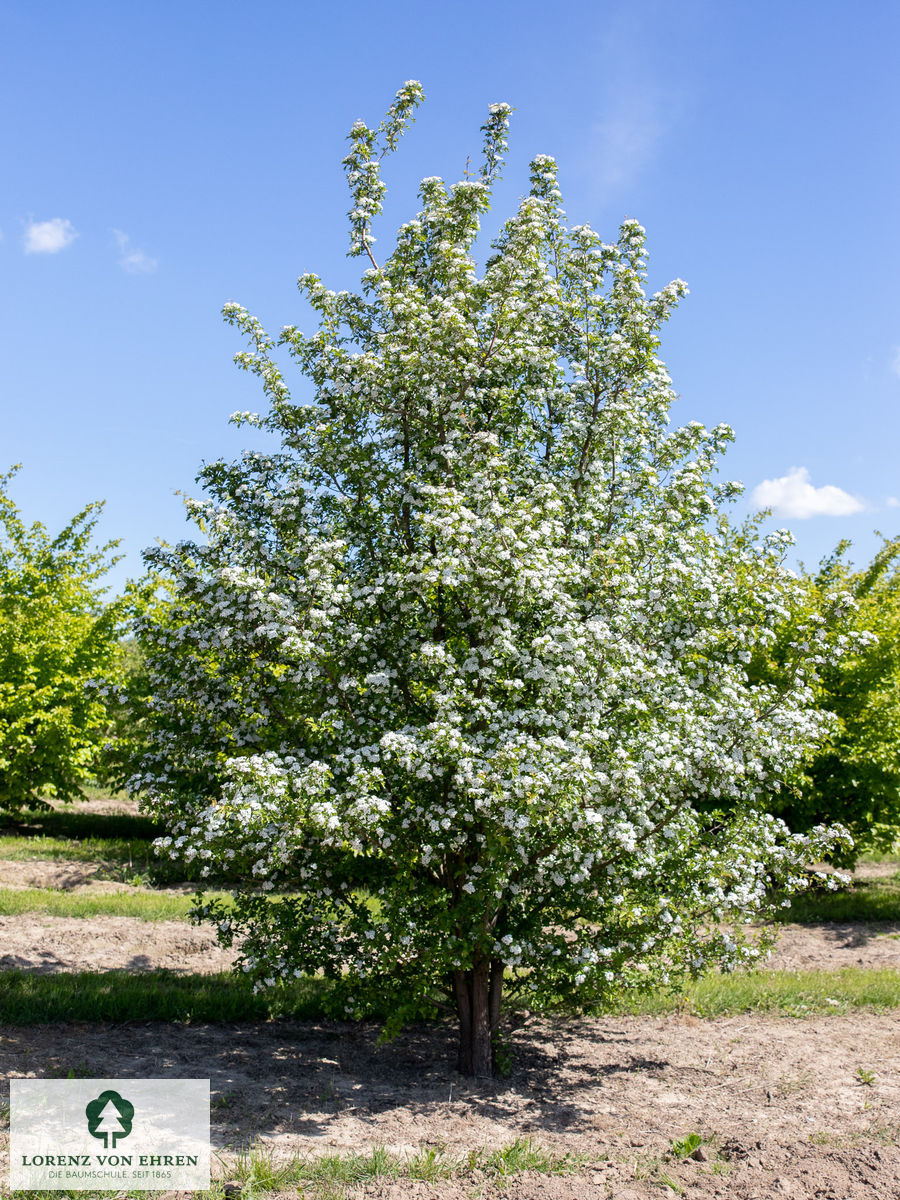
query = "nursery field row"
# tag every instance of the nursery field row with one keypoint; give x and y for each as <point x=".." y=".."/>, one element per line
<point x="88" y="917"/>
<point x="88" y="934"/>
<point x="76" y="855"/>
<point x="32" y="997"/>
<point x="87" y="893"/>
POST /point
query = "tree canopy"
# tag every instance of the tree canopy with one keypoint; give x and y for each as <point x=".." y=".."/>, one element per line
<point x="59" y="636"/>
<point x="457" y="677"/>
<point x="854" y="777"/>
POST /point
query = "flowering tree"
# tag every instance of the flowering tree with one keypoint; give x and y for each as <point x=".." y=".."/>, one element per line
<point x="57" y="633"/>
<point x="460" y="672"/>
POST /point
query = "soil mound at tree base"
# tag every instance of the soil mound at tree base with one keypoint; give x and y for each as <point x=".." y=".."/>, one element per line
<point x="47" y="943"/>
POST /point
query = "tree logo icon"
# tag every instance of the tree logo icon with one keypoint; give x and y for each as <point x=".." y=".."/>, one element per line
<point x="109" y="1116"/>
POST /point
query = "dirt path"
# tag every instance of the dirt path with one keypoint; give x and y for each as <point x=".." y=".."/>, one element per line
<point x="45" y="943"/>
<point x="838" y="944"/>
<point x="63" y="875"/>
<point x="60" y="876"/>
<point x="67" y="874"/>
<point x="779" y="1098"/>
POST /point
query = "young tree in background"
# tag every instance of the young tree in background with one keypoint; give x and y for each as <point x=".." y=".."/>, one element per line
<point x="477" y="632"/>
<point x="854" y="777"/>
<point x="58" y="635"/>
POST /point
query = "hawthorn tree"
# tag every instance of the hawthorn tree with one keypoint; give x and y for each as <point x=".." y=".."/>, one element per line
<point x="456" y="679"/>
<point x="58" y="635"/>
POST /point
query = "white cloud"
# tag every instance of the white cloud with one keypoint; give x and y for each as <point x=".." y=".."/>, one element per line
<point x="626" y="140"/>
<point x="49" y="237"/>
<point x="634" y="110"/>
<point x="892" y="502"/>
<point x="793" y="495"/>
<point x="135" y="261"/>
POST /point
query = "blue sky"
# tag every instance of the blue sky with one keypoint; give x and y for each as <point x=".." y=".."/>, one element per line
<point x="161" y="159"/>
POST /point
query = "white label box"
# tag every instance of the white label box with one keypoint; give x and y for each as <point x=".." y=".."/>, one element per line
<point x="109" y="1134"/>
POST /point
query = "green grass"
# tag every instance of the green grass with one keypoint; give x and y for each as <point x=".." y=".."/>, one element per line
<point x="119" y="842"/>
<point x="257" y="1170"/>
<point x="144" y="905"/>
<point x="28" y="998"/>
<point x="136" y="853"/>
<point x="328" y="1176"/>
<point x="863" y="900"/>
<point x="80" y="825"/>
<point x="777" y="993"/>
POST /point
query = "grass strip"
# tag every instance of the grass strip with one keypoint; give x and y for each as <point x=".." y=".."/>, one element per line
<point x="775" y="993"/>
<point x="80" y="825"/>
<point x="19" y="848"/>
<point x="258" y="1170"/>
<point x="327" y="1177"/>
<point x="27" y="998"/>
<point x="143" y="905"/>
<point x="865" y="900"/>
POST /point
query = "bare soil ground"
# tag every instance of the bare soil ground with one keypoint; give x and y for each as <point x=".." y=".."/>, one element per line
<point x="99" y="803"/>
<point x="779" y="1098"/>
<point x="46" y="943"/>
<point x="876" y="870"/>
<point x="60" y="876"/>
<point x="69" y="876"/>
<point x="837" y="944"/>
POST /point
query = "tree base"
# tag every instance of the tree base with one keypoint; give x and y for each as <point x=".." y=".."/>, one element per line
<point x="478" y="994"/>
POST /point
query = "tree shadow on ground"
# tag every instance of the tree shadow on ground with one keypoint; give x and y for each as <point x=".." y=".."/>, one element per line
<point x="294" y="1077"/>
<point x="848" y="935"/>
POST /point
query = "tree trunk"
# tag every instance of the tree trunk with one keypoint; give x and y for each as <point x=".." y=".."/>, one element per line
<point x="479" y="996"/>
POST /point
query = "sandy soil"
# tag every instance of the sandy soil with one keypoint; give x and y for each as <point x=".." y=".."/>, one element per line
<point x="100" y="804"/>
<point x="844" y="944"/>
<point x="61" y="876"/>
<point x="83" y="877"/>
<point x="779" y="1098"/>
<point x="44" y="943"/>
<point x="882" y="870"/>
